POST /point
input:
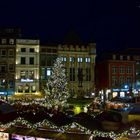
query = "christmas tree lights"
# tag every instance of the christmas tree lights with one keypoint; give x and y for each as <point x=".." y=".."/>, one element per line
<point x="57" y="91"/>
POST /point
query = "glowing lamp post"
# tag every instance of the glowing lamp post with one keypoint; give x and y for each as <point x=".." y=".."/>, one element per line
<point x="126" y="86"/>
<point x="6" y="88"/>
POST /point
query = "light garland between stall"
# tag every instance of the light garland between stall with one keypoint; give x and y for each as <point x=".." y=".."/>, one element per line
<point x="68" y="128"/>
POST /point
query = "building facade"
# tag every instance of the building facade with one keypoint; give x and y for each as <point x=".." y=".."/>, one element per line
<point x="135" y="54"/>
<point x="79" y="61"/>
<point x="27" y="66"/>
<point x="116" y="76"/>
<point x="48" y="54"/>
<point x="8" y="38"/>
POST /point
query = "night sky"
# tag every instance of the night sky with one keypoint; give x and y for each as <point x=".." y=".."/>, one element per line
<point x="110" y="23"/>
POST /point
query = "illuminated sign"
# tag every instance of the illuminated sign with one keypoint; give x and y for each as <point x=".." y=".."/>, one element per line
<point x="27" y="80"/>
<point x="117" y="89"/>
<point x="2" y="93"/>
<point x="6" y="92"/>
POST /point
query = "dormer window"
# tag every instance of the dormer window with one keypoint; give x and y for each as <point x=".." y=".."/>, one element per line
<point x="3" y="41"/>
<point x="11" y="41"/>
<point x="121" y="57"/>
<point x="128" y="57"/>
<point x="114" y="57"/>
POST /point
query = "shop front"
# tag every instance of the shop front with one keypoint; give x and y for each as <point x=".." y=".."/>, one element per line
<point x="5" y="94"/>
<point x="120" y="92"/>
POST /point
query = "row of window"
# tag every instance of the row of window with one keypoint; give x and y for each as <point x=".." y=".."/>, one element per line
<point x="118" y="81"/>
<point x="23" y="60"/>
<point x="25" y="49"/>
<point x="72" y="74"/>
<point x="31" y="60"/>
<point x="121" y="57"/>
<point x="5" y="53"/>
<point x="4" y="83"/>
<point x="47" y="60"/>
<point x="7" y="41"/>
<point x="48" y="50"/>
<point x="27" y="88"/>
<point x="79" y="59"/>
<point x="3" y="68"/>
<point x="121" y="69"/>
<point x="10" y="52"/>
<point x="27" y="74"/>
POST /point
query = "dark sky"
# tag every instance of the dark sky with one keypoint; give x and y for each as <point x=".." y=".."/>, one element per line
<point x="110" y="23"/>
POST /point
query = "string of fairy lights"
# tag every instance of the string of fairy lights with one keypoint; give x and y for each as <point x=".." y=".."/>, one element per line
<point x="68" y="128"/>
<point x="77" y="128"/>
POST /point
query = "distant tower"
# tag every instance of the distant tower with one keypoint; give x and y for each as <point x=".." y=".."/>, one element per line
<point x="72" y="37"/>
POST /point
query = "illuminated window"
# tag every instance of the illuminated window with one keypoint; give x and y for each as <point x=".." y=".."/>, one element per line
<point x="80" y="59"/>
<point x="87" y="59"/>
<point x="71" y="59"/>
<point x="33" y="88"/>
<point x="20" y="88"/>
<point x="23" y="74"/>
<point x="26" y="88"/>
<point x="31" y="74"/>
<point x="64" y="59"/>
<point x="48" y="71"/>
<point x="122" y="94"/>
<point x="115" y="94"/>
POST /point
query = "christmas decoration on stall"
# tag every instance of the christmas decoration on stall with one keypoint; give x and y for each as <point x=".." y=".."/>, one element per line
<point x="70" y="127"/>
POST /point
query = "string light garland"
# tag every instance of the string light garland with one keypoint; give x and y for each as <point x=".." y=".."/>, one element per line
<point x="67" y="128"/>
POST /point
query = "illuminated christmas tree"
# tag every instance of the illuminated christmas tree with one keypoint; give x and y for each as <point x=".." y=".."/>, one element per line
<point x="57" y="91"/>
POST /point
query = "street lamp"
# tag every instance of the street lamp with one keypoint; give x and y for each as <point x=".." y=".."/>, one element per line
<point x="126" y="86"/>
<point x="6" y="88"/>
